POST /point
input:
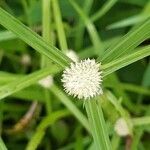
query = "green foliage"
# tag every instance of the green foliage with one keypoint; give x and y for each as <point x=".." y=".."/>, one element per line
<point x="115" y="33"/>
<point x="2" y="145"/>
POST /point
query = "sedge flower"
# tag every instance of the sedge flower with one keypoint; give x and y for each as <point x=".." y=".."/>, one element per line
<point x="83" y="79"/>
<point x="71" y="54"/>
<point x="121" y="127"/>
<point x="26" y="59"/>
<point x="46" y="82"/>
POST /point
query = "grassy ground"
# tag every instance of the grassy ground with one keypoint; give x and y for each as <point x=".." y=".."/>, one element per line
<point x="35" y="36"/>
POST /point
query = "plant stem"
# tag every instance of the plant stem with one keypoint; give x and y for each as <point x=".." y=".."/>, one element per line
<point x="46" y="33"/>
<point x="98" y="125"/>
<point x="70" y="105"/>
<point x="141" y="121"/>
<point x="59" y="26"/>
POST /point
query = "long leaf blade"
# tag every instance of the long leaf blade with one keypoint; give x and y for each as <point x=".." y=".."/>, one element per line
<point x="33" y="39"/>
<point x="126" y="60"/>
<point x="127" y="43"/>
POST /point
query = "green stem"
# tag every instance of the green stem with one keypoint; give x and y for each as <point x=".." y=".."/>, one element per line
<point x="98" y="125"/>
<point x="80" y="28"/>
<point x="48" y="101"/>
<point x="44" y="124"/>
<point x="46" y="20"/>
<point x="141" y="121"/>
<point x="59" y="26"/>
<point x="97" y="43"/>
<point x="70" y="105"/>
<point x="46" y="33"/>
<point x="105" y="8"/>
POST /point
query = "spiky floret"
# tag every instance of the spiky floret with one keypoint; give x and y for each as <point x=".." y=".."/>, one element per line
<point x="83" y="79"/>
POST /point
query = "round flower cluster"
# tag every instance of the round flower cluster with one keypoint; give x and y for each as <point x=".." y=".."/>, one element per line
<point x="83" y="79"/>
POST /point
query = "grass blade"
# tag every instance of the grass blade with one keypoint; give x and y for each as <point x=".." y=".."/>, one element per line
<point x="129" y="87"/>
<point x="130" y="41"/>
<point x="2" y="145"/>
<point x="6" y="35"/>
<point x="24" y="82"/>
<point x="105" y="8"/>
<point x="33" y="39"/>
<point x="133" y="19"/>
<point x="126" y="60"/>
<point x="97" y="124"/>
<point x="65" y="100"/>
<point x="41" y="129"/>
<point x="128" y="21"/>
<point x="141" y="121"/>
<point x="59" y="26"/>
<point x="80" y="28"/>
<point x="46" y="33"/>
<point x="46" y="20"/>
<point x="97" y="43"/>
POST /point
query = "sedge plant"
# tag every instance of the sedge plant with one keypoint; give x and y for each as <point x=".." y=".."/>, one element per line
<point x="84" y="80"/>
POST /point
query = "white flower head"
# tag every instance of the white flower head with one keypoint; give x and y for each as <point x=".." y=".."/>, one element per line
<point x="72" y="55"/>
<point x="26" y="59"/>
<point x="46" y="82"/>
<point x="83" y="79"/>
<point x="121" y="127"/>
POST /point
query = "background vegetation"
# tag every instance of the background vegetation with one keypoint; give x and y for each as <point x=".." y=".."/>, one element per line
<point x="115" y="32"/>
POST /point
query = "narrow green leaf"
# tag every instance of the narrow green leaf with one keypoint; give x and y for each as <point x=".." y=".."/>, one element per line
<point x="79" y="36"/>
<point x="32" y="93"/>
<point x="115" y="141"/>
<point x="105" y="8"/>
<point x="33" y="39"/>
<point x="146" y="80"/>
<point x="133" y="19"/>
<point x="59" y="26"/>
<point x="98" y="125"/>
<point x="89" y="51"/>
<point x="127" y="43"/>
<point x="2" y="145"/>
<point x="130" y="87"/>
<point x="141" y="121"/>
<point x="126" y="60"/>
<point x="24" y="82"/>
<point x="97" y="43"/>
<point x="46" y="33"/>
<point x="128" y="21"/>
<point x="70" y="105"/>
<point x="44" y="124"/>
<point x="6" y="35"/>
<point x="137" y="137"/>
<point x="46" y="20"/>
